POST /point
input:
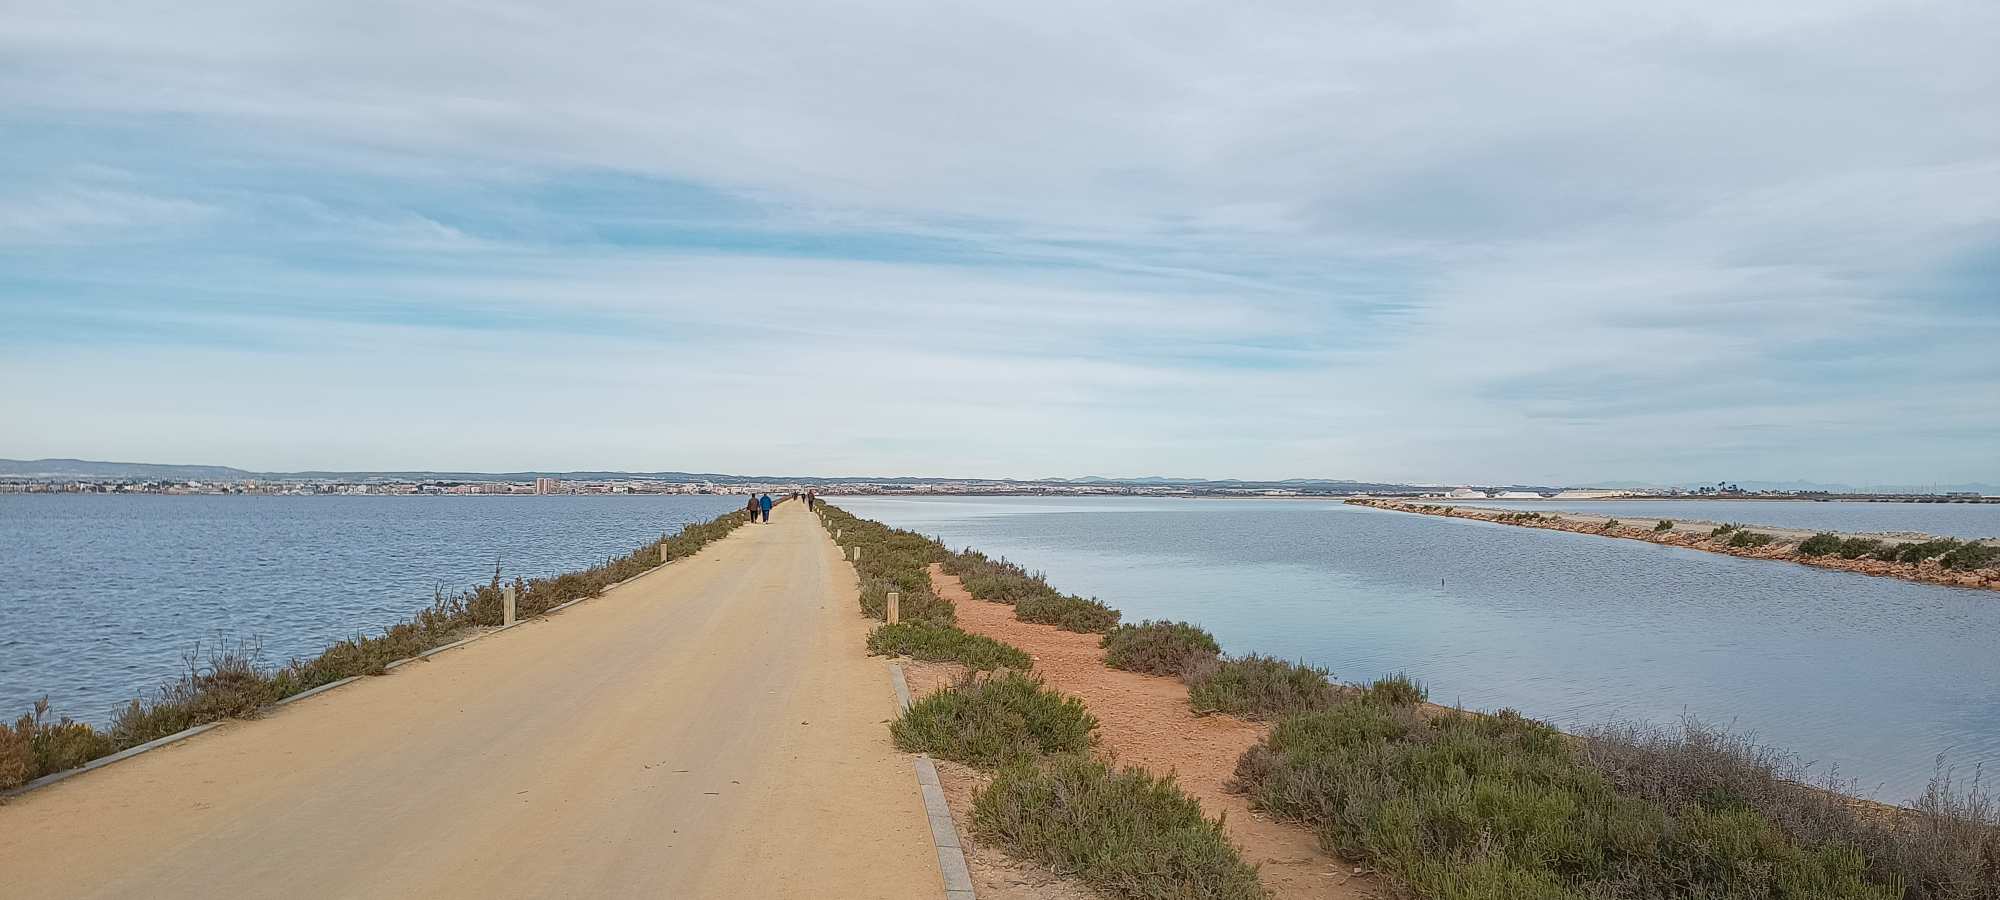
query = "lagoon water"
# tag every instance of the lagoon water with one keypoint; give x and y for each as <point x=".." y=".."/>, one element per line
<point x="1872" y="675"/>
<point x="101" y="595"/>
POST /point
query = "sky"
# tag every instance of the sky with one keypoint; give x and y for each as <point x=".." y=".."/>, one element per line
<point x="1481" y="242"/>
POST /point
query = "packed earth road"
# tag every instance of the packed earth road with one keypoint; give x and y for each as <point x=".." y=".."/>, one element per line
<point x="710" y="729"/>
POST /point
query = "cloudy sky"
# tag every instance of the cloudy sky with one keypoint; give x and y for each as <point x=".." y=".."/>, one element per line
<point x="1406" y="240"/>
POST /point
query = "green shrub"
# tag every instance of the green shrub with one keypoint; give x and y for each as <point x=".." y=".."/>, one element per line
<point x="1126" y="833"/>
<point x="1858" y="547"/>
<point x="1945" y="847"/>
<point x="998" y="581"/>
<point x="1068" y="613"/>
<point x="1742" y="537"/>
<point x="1467" y="807"/>
<point x="1158" y="648"/>
<point x="1396" y="690"/>
<point x="1258" y="687"/>
<point x="1610" y="524"/>
<point x="1723" y="529"/>
<point x="1663" y="525"/>
<point x="992" y="720"/>
<point x="1820" y="544"/>
<point x="892" y="560"/>
<point x="1971" y="555"/>
<point x="944" y="643"/>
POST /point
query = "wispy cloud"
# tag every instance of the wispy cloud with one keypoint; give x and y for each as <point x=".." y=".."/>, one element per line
<point x="1419" y="241"/>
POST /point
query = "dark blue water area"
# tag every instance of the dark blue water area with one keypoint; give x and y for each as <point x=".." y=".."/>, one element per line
<point x="1874" y="676"/>
<point x="100" y="596"/>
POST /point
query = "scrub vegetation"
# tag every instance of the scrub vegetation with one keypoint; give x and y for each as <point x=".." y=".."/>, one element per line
<point x="1159" y="648"/>
<point x="938" y="642"/>
<point x="1259" y="687"/>
<point x="1125" y="832"/>
<point x="1033" y="599"/>
<point x="229" y="682"/>
<point x="990" y="721"/>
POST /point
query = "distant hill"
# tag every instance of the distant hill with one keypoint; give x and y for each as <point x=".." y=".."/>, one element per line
<point x="56" y="469"/>
<point x="85" y="468"/>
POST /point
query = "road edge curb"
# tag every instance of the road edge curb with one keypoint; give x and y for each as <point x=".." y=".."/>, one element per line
<point x="944" y="831"/>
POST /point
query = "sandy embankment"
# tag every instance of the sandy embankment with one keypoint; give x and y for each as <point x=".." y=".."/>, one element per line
<point x="1694" y="535"/>
<point x="1144" y="721"/>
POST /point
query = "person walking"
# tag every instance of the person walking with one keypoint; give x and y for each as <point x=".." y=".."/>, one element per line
<point x="765" y="504"/>
<point x="751" y="507"/>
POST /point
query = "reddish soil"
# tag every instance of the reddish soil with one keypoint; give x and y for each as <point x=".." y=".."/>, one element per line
<point x="1144" y="721"/>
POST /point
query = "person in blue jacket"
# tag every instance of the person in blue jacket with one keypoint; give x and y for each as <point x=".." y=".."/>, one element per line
<point x="764" y="503"/>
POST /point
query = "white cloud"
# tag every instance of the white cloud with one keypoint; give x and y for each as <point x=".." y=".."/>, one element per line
<point x="1417" y="240"/>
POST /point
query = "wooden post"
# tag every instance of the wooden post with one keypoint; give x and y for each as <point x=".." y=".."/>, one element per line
<point x="895" y="604"/>
<point x="663" y="551"/>
<point x="507" y="606"/>
<point x="857" y="552"/>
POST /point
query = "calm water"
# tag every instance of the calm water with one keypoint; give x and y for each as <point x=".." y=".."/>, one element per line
<point x="1960" y="520"/>
<point x="102" y="595"/>
<point x="1873" y="675"/>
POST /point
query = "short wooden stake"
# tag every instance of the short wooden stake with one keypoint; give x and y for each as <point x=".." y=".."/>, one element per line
<point x="857" y="552"/>
<point x="895" y="604"/>
<point x="663" y="551"/>
<point x="507" y="606"/>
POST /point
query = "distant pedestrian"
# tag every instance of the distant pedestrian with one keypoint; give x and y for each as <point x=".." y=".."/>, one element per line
<point x="765" y="504"/>
<point x="752" y="507"/>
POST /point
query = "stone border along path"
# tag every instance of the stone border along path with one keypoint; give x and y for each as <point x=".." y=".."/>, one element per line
<point x="179" y="736"/>
<point x="944" y="831"/>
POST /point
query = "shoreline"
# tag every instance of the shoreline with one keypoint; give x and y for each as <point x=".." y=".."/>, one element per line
<point x="1766" y="543"/>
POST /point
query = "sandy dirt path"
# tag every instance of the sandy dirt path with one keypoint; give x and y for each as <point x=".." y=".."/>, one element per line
<point x="712" y="729"/>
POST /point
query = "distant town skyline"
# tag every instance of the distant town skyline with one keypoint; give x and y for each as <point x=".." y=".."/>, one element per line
<point x="1423" y="244"/>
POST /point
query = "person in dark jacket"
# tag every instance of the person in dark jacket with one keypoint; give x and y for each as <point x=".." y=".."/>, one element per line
<point x="751" y="507"/>
<point x="764" y="503"/>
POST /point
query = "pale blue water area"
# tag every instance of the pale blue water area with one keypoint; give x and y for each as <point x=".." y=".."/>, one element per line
<point x="101" y="595"/>
<point x="1959" y="520"/>
<point x="1873" y="675"/>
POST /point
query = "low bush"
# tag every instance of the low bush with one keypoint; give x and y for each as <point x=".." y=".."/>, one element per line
<point x="1971" y="555"/>
<point x="1258" y="687"/>
<point x="1610" y="524"/>
<point x="1127" y="833"/>
<point x="1467" y="807"/>
<point x="1396" y="690"/>
<point x="944" y="643"/>
<point x="1158" y="648"/>
<point x="1946" y="847"/>
<point x="992" y="720"/>
<point x="1068" y="613"/>
<point x="1857" y="547"/>
<point x="1743" y="537"/>
<point x="892" y="560"/>
<point x="994" y="580"/>
<point x="1723" y="529"/>
<point x="1820" y="544"/>
<point x="36" y="746"/>
<point x="1663" y="525"/>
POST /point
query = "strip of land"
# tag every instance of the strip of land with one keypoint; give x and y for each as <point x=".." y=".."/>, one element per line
<point x="1937" y="559"/>
<point x="709" y="729"/>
